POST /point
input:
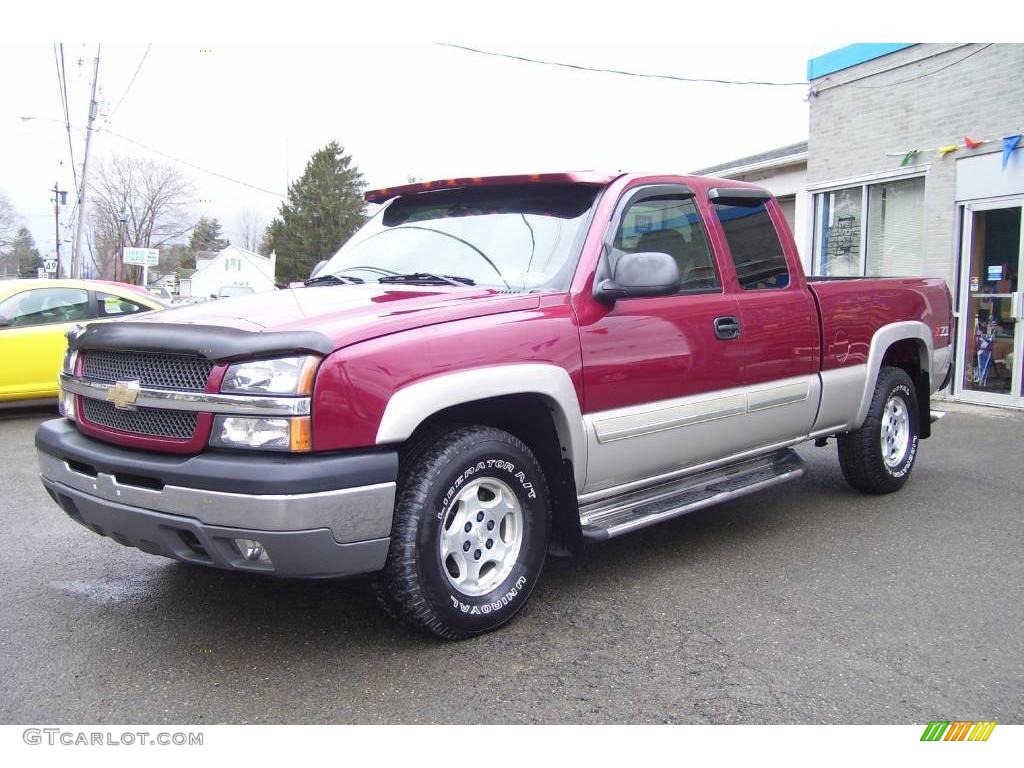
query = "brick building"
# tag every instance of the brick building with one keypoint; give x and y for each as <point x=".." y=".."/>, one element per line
<point x="949" y="209"/>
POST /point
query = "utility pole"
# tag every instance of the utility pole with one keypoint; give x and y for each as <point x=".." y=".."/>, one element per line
<point x="76" y="256"/>
<point x="59" y="198"/>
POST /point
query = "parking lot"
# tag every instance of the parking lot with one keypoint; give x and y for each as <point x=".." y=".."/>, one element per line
<point x="808" y="603"/>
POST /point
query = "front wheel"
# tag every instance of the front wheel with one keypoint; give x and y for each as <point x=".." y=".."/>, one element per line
<point x="878" y="457"/>
<point x="470" y="532"/>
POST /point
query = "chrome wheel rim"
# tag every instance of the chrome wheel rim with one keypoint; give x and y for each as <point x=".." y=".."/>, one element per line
<point x="895" y="431"/>
<point x="481" y="535"/>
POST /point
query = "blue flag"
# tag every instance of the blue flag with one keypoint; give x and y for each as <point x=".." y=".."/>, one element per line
<point x="1009" y="144"/>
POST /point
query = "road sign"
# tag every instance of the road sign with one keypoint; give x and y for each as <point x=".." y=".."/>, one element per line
<point x="144" y="257"/>
<point x="41" y="273"/>
<point x="50" y="265"/>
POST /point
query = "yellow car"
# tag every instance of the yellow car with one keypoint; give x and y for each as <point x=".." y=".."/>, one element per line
<point x="35" y="315"/>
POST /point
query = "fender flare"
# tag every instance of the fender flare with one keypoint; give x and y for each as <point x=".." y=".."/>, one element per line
<point x="884" y="338"/>
<point x="412" y="405"/>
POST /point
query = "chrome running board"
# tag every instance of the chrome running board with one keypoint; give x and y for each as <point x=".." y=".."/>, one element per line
<point x="608" y="518"/>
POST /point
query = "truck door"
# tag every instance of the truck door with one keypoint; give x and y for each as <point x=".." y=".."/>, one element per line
<point x="662" y="379"/>
<point x="778" y="333"/>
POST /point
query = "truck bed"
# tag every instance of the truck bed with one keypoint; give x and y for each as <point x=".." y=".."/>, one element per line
<point x="852" y="309"/>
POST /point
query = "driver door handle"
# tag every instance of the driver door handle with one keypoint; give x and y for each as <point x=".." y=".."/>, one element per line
<point x="727" y="327"/>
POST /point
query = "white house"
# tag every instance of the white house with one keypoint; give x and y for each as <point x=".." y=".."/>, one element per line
<point x="234" y="266"/>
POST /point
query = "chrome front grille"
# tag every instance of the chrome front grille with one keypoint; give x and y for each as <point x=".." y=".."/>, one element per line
<point x="155" y="422"/>
<point x="152" y="370"/>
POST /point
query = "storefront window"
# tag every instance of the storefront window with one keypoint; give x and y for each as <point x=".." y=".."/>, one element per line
<point x="837" y="239"/>
<point x="896" y="228"/>
<point x="886" y="239"/>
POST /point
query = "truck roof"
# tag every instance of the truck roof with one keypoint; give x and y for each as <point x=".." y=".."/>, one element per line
<point x="593" y="178"/>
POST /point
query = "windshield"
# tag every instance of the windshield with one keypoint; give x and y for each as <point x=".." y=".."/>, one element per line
<point x="519" y="238"/>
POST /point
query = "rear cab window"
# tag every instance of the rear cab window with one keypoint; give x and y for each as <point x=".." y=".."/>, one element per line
<point x="753" y="242"/>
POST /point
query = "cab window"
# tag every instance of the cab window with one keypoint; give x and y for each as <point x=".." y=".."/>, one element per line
<point x="45" y="306"/>
<point x="117" y="306"/>
<point x="754" y="243"/>
<point x="670" y="224"/>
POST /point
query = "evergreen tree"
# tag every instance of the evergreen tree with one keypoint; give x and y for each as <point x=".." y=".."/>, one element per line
<point x="207" y="236"/>
<point x="25" y="254"/>
<point x="323" y="209"/>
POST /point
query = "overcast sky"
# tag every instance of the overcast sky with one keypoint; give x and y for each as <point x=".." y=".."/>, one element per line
<point x="254" y="97"/>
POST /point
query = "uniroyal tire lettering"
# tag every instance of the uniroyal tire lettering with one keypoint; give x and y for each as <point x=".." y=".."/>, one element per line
<point x="494" y="605"/>
<point x="908" y="461"/>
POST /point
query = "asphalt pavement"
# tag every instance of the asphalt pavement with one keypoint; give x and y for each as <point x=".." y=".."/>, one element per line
<point x="807" y="603"/>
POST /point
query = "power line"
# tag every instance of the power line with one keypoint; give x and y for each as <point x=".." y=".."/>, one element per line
<point x="62" y="81"/>
<point x="925" y="74"/>
<point x="130" y="83"/>
<point x="170" y="157"/>
<point x="582" y="68"/>
<point x="193" y="165"/>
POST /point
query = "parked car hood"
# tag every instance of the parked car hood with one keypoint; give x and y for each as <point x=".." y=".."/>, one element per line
<point x="347" y="314"/>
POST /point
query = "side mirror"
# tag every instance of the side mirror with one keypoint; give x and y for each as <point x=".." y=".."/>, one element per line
<point x="316" y="270"/>
<point x="640" y="274"/>
<point x="4" y="322"/>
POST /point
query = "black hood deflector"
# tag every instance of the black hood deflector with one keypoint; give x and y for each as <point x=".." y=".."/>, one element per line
<point x="209" y="341"/>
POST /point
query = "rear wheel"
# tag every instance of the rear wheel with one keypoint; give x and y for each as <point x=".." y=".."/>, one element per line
<point x="470" y="532"/>
<point x="878" y="457"/>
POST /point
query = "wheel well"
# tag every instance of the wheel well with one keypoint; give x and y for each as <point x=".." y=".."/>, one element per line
<point x="907" y="355"/>
<point x="529" y="418"/>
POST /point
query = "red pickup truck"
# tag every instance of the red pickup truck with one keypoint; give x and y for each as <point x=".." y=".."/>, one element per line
<point x="490" y="370"/>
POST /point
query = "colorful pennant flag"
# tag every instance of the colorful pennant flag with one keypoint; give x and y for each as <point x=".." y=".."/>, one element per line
<point x="1009" y="144"/>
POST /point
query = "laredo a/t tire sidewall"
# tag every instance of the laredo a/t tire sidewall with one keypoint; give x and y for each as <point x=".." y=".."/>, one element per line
<point x="904" y="389"/>
<point x="860" y="452"/>
<point x="505" y="461"/>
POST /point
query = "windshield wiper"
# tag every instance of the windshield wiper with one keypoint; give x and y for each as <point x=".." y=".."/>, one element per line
<point x="427" y="277"/>
<point x="338" y="279"/>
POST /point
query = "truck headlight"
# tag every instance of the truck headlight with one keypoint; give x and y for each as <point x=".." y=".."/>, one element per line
<point x="281" y="376"/>
<point x="261" y="433"/>
<point x="70" y="360"/>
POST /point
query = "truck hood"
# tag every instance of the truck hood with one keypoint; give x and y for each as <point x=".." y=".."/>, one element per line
<point x="347" y="314"/>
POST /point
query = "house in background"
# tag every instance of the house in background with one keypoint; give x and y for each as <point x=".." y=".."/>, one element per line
<point x="218" y="271"/>
<point x="783" y="172"/>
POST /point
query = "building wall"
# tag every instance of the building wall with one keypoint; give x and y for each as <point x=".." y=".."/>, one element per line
<point x="854" y="122"/>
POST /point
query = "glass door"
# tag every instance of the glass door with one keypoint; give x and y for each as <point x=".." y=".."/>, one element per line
<point x="989" y="360"/>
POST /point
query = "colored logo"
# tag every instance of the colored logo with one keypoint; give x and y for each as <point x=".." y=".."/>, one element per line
<point x="958" y="730"/>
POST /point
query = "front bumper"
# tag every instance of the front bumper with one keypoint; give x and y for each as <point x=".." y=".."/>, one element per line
<point x="316" y="516"/>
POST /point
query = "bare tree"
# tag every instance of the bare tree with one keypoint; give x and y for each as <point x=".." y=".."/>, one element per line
<point x="250" y="226"/>
<point x="8" y="232"/>
<point x="152" y="196"/>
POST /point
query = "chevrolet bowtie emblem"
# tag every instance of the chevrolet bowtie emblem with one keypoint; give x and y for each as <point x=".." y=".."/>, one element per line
<point x="124" y="394"/>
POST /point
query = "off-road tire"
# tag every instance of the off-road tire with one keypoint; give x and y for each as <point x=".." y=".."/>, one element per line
<point x="415" y="584"/>
<point x="861" y="454"/>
